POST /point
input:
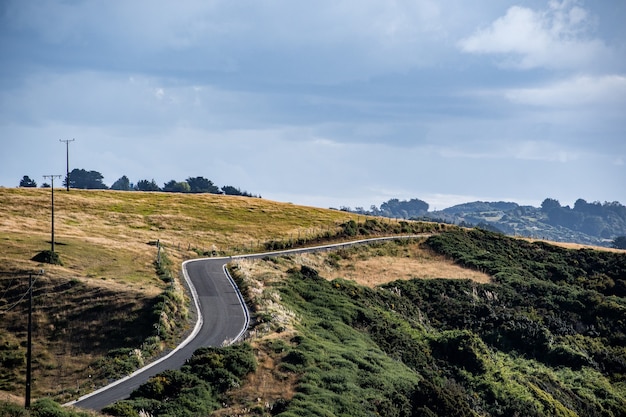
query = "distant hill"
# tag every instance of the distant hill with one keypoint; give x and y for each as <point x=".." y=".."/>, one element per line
<point x="585" y="223"/>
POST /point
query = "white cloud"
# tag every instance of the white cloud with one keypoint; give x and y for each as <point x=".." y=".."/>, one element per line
<point x="580" y="91"/>
<point x="557" y="37"/>
<point x="109" y="99"/>
<point x="507" y="149"/>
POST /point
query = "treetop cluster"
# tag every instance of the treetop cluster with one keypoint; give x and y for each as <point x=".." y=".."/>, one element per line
<point x="93" y="180"/>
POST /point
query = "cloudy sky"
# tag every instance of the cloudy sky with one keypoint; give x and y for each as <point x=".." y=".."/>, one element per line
<point x="326" y="103"/>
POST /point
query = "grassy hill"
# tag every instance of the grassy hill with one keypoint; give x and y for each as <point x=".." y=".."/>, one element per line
<point x="108" y="283"/>
<point x="458" y="323"/>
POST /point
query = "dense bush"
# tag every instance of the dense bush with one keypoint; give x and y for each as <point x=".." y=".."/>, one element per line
<point x="369" y="228"/>
<point x="195" y="389"/>
<point x="547" y="338"/>
<point x="44" y="407"/>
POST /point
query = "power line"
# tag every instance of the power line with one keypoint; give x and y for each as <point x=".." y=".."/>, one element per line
<point x="30" y="287"/>
<point x="8" y="288"/>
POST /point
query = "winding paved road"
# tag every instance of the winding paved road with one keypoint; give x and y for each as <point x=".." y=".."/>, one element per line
<point x="221" y="320"/>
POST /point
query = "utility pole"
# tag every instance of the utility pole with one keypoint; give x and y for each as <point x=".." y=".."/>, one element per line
<point x="52" y="177"/>
<point x="29" y="350"/>
<point x="67" y="160"/>
<point x="29" y="342"/>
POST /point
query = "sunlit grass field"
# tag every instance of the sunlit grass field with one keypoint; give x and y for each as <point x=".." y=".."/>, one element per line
<point x="111" y="235"/>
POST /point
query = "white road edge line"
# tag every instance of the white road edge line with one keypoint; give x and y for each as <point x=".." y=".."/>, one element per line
<point x="200" y="320"/>
<point x="196" y="329"/>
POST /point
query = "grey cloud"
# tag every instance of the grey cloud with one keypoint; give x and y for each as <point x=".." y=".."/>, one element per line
<point x="275" y="96"/>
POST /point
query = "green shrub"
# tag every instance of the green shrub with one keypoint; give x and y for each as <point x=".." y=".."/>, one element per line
<point x="446" y="399"/>
<point x="193" y="390"/>
<point x="8" y="409"/>
<point x="462" y="349"/>
<point x="48" y="257"/>
<point x="45" y="407"/>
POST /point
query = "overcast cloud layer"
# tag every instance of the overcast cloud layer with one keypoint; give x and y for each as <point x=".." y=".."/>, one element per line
<point x="325" y="103"/>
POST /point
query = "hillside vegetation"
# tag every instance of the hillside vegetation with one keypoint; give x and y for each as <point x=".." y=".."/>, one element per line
<point x="585" y="223"/>
<point x="523" y="328"/>
<point x="545" y="337"/>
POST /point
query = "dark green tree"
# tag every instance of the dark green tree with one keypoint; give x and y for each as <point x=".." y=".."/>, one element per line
<point x="404" y="209"/>
<point x="230" y="190"/>
<point x="549" y="204"/>
<point x="202" y="185"/>
<point x="27" y="182"/>
<point x="145" y="185"/>
<point x="176" y="187"/>
<point x="86" y="180"/>
<point x="122" y="184"/>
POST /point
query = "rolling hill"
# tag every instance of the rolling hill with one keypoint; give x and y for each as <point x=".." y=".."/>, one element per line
<point x="459" y="322"/>
<point x="596" y="223"/>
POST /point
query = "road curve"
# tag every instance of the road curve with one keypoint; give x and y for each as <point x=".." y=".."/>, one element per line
<point x="222" y="318"/>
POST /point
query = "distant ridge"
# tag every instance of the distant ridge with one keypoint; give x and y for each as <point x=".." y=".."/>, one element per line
<point x="586" y="223"/>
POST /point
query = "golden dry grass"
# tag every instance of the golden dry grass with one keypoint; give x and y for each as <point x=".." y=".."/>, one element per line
<point x="106" y="234"/>
<point x="11" y="398"/>
<point x="68" y="334"/>
<point x="569" y="245"/>
<point x="105" y="240"/>
<point x="420" y="264"/>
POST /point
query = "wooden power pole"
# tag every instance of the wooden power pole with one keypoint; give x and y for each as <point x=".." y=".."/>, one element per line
<point x="67" y="160"/>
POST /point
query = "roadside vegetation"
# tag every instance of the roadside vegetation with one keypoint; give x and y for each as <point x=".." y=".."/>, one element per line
<point x="455" y="322"/>
<point x="543" y="337"/>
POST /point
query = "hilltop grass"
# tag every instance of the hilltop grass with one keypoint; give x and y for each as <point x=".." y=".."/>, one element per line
<point x="105" y="233"/>
<point x="74" y="323"/>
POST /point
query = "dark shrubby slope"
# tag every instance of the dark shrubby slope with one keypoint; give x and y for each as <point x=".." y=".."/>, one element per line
<point x="547" y="338"/>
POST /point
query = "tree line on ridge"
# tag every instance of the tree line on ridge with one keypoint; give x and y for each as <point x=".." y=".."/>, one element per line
<point x="93" y="180"/>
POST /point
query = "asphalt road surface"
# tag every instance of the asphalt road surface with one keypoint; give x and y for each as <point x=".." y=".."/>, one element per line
<point x="222" y="319"/>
